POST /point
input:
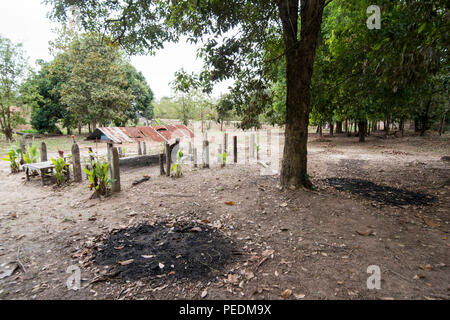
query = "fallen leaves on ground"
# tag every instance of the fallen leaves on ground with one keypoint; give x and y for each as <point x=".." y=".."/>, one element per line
<point x="431" y="223"/>
<point x="286" y="293"/>
<point x="126" y="262"/>
<point x="365" y="233"/>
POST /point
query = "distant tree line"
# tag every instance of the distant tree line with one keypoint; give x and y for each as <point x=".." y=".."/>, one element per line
<point x="88" y="83"/>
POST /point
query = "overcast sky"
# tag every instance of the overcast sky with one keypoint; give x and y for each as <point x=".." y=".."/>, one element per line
<point x="25" y="21"/>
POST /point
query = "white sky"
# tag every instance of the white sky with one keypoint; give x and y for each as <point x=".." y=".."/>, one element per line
<point x="25" y="21"/>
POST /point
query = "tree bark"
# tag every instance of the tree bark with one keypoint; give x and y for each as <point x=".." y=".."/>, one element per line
<point x="300" y="56"/>
<point x="362" y="130"/>
<point x="339" y="127"/>
<point x="442" y="125"/>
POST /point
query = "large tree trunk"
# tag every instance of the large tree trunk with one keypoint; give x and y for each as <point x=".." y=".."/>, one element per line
<point x="442" y="125"/>
<point x="339" y="127"/>
<point x="362" y="130"/>
<point x="300" y="56"/>
<point x="331" y="130"/>
<point x="8" y="134"/>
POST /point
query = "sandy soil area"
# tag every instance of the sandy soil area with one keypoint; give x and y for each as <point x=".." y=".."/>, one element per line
<point x="288" y="244"/>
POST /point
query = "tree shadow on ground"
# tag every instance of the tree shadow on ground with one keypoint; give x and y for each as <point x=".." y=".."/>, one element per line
<point x="384" y="194"/>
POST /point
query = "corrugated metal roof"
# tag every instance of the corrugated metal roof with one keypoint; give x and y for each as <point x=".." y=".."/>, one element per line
<point x="135" y="134"/>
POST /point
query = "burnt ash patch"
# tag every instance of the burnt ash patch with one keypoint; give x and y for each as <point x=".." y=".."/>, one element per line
<point x="199" y="255"/>
<point x="380" y="193"/>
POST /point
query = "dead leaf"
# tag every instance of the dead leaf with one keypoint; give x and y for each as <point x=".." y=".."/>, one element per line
<point x="126" y="262"/>
<point x="426" y="267"/>
<point x="267" y="253"/>
<point x="249" y="275"/>
<point x="418" y="276"/>
<point x="196" y="229"/>
<point x="286" y="293"/>
<point x="299" y="296"/>
<point x="205" y="221"/>
<point x="171" y="273"/>
<point x="365" y="234"/>
<point x="119" y="248"/>
<point x="161" y="266"/>
<point x="233" y="278"/>
<point x="8" y="269"/>
<point x="431" y="223"/>
<point x="204" y="293"/>
<point x="229" y="203"/>
<point x="147" y="256"/>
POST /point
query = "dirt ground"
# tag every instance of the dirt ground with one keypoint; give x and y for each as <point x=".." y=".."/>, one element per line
<point x="288" y="244"/>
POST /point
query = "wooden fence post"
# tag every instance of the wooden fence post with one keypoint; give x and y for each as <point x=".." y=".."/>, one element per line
<point x="168" y="158"/>
<point x="235" y="149"/>
<point x="77" y="177"/>
<point x="195" y="158"/>
<point x="225" y="143"/>
<point x="258" y="146"/>
<point x="252" y="146"/>
<point x="162" y="172"/>
<point x="23" y="149"/>
<point x="246" y="149"/>
<point x="43" y="152"/>
<point x="206" y="154"/>
<point x="139" y="148"/>
<point x="116" y="170"/>
<point x="221" y="161"/>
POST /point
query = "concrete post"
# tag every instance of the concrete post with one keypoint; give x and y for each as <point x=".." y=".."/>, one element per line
<point x="115" y="170"/>
<point x="76" y="162"/>
<point x="43" y="152"/>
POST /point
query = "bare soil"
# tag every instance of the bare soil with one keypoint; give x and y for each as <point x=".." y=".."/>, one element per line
<point x="316" y="243"/>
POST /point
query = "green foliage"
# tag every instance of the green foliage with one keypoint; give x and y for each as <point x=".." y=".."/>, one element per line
<point x="43" y="92"/>
<point x="13" y="68"/>
<point x="31" y="154"/>
<point x="222" y="158"/>
<point x="177" y="167"/>
<point x="98" y="176"/>
<point x="12" y="157"/>
<point x="89" y="81"/>
<point x="61" y="169"/>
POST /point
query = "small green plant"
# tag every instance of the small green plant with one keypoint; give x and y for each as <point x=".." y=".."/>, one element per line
<point x="177" y="167"/>
<point x="31" y="155"/>
<point x="61" y="169"/>
<point x="222" y="158"/>
<point x="13" y="156"/>
<point x="98" y="175"/>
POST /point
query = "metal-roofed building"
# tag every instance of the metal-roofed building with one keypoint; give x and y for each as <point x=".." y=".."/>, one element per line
<point x="119" y="135"/>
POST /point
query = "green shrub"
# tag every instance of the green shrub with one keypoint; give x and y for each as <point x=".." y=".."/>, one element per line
<point x="177" y="167"/>
<point x="98" y="176"/>
<point x="13" y="156"/>
<point x="31" y="155"/>
<point x="61" y="169"/>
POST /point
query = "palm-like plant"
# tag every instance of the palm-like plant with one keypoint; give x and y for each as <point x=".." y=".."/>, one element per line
<point x="31" y="155"/>
<point x="61" y="168"/>
<point x="98" y="177"/>
<point x="13" y="157"/>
